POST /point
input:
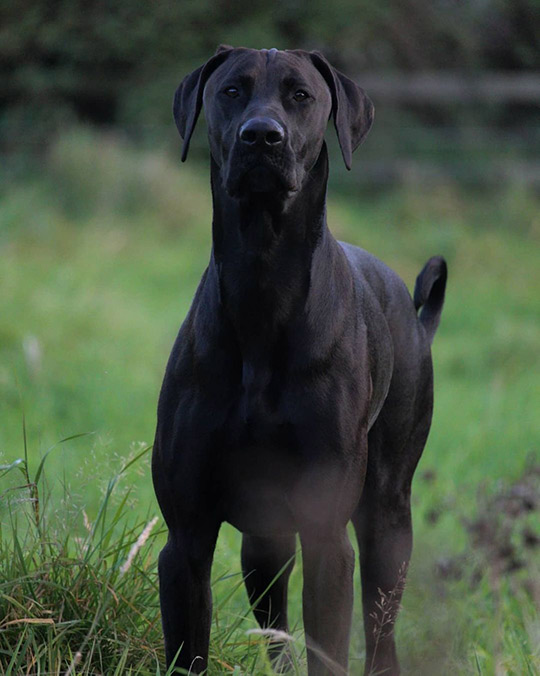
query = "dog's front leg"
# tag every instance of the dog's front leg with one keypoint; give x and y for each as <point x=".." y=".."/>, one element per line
<point x="185" y="596"/>
<point x="327" y="600"/>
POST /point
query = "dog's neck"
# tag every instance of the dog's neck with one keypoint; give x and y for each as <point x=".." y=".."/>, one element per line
<point x="264" y="252"/>
<point x="260" y="224"/>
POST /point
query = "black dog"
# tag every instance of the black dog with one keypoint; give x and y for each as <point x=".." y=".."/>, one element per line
<point x="298" y="395"/>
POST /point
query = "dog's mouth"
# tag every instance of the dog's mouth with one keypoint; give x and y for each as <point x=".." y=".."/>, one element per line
<point x="260" y="179"/>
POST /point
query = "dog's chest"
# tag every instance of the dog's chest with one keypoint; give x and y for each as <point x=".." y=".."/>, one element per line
<point x="264" y="431"/>
<point x="281" y="464"/>
<point x="260" y="414"/>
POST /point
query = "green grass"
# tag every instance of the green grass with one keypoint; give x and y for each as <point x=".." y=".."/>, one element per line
<point x="100" y="253"/>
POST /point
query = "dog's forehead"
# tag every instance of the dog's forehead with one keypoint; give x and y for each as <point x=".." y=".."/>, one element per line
<point x="279" y="65"/>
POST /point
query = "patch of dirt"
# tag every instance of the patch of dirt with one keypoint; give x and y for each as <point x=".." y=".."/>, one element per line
<point x="503" y="537"/>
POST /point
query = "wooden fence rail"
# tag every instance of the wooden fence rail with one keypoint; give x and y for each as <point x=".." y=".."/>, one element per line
<point x="445" y="87"/>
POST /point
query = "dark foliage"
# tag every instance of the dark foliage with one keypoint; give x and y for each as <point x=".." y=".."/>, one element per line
<point x="118" y="62"/>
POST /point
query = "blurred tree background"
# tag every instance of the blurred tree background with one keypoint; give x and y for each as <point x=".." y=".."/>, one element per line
<point x="118" y="64"/>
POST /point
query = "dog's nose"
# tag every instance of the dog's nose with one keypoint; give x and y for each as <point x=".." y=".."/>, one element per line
<point x="262" y="131"/>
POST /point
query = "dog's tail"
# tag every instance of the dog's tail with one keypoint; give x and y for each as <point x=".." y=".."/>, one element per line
<point x="429" y="293"/>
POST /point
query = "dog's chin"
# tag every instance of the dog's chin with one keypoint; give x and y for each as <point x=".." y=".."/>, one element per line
<point x="260" y="182"/>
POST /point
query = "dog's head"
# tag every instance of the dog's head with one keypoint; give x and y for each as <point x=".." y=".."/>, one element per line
<point x="267" y="112"/>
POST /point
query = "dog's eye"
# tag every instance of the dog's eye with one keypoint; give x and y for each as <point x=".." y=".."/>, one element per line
<point x="232" y="92"/>
<point x="300" y="95"/>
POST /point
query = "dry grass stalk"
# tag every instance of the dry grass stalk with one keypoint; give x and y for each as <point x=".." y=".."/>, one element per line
<point x="143" y="537"/>
<point x="388" y="609"/>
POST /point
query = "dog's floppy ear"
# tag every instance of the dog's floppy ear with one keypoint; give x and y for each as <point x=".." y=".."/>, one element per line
<point x="352" y="108"/>
<point x="189" y="96"/>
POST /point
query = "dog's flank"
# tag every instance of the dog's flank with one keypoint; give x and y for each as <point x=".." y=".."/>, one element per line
<point x="298" y="394"/>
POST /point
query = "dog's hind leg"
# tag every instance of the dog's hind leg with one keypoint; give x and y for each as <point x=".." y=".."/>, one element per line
<point x="384" y="529"/>
<point x="267" y="563"/>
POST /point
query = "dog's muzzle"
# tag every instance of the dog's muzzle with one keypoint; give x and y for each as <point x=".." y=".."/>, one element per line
<point x="260" y="161"/>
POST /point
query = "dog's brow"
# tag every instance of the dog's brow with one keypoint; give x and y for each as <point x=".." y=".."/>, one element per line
<point x="246" y="79"/>
<point x="243" y="79"/>
<point x="293" y="81"/>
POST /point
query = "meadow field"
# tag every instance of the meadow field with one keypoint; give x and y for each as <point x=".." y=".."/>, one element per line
<point x="101" y="249"/>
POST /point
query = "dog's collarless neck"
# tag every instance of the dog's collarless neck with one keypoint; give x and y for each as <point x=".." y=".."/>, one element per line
<point x="273" y="252"/>
<point x="263" y="223"/>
